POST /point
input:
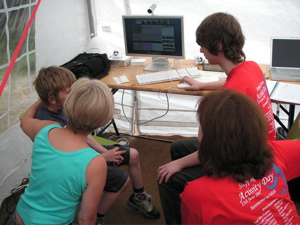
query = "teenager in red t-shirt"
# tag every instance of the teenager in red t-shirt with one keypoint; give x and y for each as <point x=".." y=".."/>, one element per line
<point x="245" y="175"/>
<point x="221" y="39"/>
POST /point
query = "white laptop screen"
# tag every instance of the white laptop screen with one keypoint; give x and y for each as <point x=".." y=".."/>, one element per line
<point x="285" y="52"/>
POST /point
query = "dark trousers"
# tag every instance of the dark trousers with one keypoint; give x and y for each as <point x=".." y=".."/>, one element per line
<point x="169" y="192"/>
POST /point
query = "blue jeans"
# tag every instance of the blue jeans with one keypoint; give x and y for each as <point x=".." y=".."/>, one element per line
<point x="170" y="192"/>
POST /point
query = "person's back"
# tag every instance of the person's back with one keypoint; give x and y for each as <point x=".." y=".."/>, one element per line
<point x="249" y="80"/>
<point x="56" y="182"/>
<point x="245" y="176"/>
<point x="221" y="41"/>
<point x="263" y="201"/>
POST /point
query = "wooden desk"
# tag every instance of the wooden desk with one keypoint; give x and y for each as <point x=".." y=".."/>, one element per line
<point x="291" y="111"/>
<point x="132" y="71"/>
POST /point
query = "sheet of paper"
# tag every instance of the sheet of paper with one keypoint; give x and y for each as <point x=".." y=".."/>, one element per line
<point x="270" y="85"/>
<point x="209" y="76"/>
<point x="121" y="79"/>
<point x="287" y="93"/>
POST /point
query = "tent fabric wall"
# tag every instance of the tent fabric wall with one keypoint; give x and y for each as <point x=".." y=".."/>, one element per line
<point x="259" y="20"/>
<point x="15" y="160"/>
<point x="61" y="31"/>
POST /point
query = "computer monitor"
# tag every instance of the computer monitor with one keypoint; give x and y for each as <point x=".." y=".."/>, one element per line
<point x="159" y="37"/>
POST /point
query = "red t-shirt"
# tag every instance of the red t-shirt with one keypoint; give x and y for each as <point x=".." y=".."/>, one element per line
<point x="265" y="201"/>
<point x="249" y="79"/>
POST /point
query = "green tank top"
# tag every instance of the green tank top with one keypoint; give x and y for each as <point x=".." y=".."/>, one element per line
<point x="56" y="182"/>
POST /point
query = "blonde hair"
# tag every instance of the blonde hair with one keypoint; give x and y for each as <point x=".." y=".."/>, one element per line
<point x="51" y="80"/>
<point x="89" y="105"/>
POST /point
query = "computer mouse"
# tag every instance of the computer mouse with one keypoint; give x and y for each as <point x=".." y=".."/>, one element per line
<point x="183" y="85"/>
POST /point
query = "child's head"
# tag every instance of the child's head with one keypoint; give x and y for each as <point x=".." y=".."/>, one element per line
<point x="222" y="32"/>
<point x="52" y="82"/>
<point x="234" y="136"/>
<point x="89" y="105"/>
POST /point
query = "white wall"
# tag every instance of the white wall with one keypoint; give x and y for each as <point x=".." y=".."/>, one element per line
<point x="62" y="31"/>
<point x="62" y="27"/>
<point x="259" y="19"/>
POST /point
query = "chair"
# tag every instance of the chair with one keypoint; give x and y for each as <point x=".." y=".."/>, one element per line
<point x="294" y="132"/>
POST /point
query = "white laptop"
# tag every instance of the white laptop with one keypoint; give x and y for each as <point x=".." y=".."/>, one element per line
<point x="285" y="58"/>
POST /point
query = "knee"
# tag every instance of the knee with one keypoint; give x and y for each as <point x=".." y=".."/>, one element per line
<point x="174" y="146"/>
<point x="176" y="149"/>
<point x="134" y="156"/>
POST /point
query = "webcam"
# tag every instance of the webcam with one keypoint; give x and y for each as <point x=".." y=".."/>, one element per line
<point x="151" y="9"/>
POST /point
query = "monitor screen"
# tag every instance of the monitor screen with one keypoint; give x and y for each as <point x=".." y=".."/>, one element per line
<point x="285" y="52"/>
<point x="154" y="36"/>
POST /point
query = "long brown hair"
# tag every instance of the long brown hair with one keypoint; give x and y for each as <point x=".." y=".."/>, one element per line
<point x="234" y="139"/>
<point x="222" y="28"/>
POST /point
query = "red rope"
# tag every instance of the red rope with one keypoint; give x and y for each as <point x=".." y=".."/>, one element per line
<point x="19" y="46"/>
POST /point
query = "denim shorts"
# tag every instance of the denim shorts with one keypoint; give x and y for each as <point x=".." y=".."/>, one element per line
<point x="116" y="178"/>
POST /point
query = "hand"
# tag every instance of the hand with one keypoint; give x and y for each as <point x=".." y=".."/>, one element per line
<point x="114" y="156"/>
<point x="194" y="84"/>
<point x="167" y="170"/>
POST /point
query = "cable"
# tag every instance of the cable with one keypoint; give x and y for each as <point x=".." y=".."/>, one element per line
<point x="120" y="140"/>
<point x="133" y="123"/>
<point x="137" y="136"/>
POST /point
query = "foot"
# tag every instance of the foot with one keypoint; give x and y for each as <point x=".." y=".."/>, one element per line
<point x="145" y="206"/>
<point x="99" y="221"/>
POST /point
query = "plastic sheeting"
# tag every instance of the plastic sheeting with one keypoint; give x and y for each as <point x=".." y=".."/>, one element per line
<point x="15" y="162"/>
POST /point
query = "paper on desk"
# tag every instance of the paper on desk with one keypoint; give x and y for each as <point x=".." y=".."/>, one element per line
<point x="286" y="92"/>
<point x="270" y="85"/>
<point x="121" y="79"/>
<point x="209" y="76"/>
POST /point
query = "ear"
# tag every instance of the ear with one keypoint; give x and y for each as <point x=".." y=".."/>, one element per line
<point x="52" y="100"/>
<point x="220" y="47"/>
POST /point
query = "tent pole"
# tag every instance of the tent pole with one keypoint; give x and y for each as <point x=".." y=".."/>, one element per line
<point x="91" y="20"/>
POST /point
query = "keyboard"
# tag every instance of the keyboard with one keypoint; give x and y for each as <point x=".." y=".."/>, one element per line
<point x="288" y="71"/>
<point x="168" y="75"/>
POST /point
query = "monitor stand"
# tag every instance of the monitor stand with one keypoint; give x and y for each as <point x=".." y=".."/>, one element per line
<point x="157" y="64"/>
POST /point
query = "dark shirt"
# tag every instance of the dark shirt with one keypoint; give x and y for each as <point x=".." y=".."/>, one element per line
<point x="45" y="114"/>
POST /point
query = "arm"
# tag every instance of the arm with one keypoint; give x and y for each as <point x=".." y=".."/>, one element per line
<point x="95" y="145"/>
<point x="113" y="155"/>
<point x="167" y="170"/>
<point x="92" y="194"/>
<point x="196" y="85"/>
<point x="30" y="125"/>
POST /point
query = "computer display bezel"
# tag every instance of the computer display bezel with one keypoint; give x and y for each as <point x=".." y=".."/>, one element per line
<point x="177" y="21"/>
